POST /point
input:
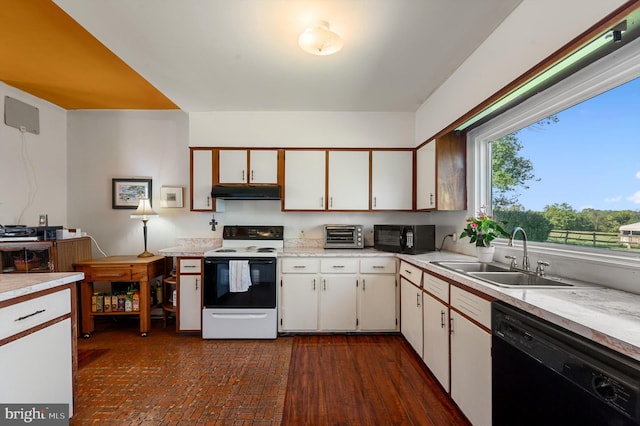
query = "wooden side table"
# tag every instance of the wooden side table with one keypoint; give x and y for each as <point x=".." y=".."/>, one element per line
<point x="119" y="269"/>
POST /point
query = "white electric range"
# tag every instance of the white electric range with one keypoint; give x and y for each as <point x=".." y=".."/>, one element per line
<point x="240" y="284"/>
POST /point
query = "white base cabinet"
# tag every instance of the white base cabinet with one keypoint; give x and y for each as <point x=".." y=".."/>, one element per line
<point x="411" y="308"/>
<point x="331" y="294"/>
<point x="189" y="291"/>
<point x="436" y="339"/>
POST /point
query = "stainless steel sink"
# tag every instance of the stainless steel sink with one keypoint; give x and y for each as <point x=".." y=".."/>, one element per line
<point x="467" y="267"/>
<point x="518" y="279"/>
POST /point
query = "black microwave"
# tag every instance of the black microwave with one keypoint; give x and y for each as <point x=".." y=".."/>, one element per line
<point x="409" y="239"/>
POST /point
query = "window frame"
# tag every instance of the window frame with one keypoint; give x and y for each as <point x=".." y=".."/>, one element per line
<point x="607" y="73"/>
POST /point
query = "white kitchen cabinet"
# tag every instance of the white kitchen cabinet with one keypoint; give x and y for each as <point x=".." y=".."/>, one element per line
<point x="248" y="166"/>
<point x="348" y="180"/>
<point x="426" y="176"/>
<point x="38" y="353"/>
<point x="436" y="338"/>
<point x="189" y="289"/>
<point x="304" y="180"/>
<point x="202" y="180"/>
<point x="299" y="289"/>
<point x="338" y="294"/>
<point x="471" y="355"/>
<point x="411" y="309"/>
<point x="392" y="180"/>
<point x="377" y="295"/>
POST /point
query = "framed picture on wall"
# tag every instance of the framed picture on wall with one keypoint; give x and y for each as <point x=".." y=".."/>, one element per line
<point x="127" y="192"/>
<point x="171" y="196"/>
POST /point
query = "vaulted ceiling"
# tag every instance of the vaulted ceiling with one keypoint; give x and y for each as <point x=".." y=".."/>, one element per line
<point x="213" y="55"/>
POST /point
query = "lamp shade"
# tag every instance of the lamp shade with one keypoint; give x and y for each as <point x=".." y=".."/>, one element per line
<point x="144" y="210"/>
<point x="320" y="40"/>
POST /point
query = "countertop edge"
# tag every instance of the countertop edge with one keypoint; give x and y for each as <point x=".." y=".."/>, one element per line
<point x="16" y="285"/>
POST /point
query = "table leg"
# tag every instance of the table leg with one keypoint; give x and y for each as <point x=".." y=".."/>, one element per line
<point x="86" y="291"/>
<point x="145" y="307"/>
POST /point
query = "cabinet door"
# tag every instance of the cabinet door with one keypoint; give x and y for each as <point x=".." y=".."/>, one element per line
<point x="232" y="166"/>
<point x="38" y="367"/>
<point x="411" y="309"/>
<point x="304" y="180"/>
<point x="392" y="180"/>
<point x="348" y="180"/>
<point x="263" y="166"/>
<point x="471" y="369"/>
<point x="299" y="302"/>
<point x="201" y="179"/>
<point x="377" y="303"/>
<point x="436" y="339"/>
<point x="426" y="177"/>
<point x="338" y="294"/>
<point x="190" y="302"/>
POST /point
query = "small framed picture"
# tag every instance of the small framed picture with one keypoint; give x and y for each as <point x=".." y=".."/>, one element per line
<point x="127" y="192"/>
<point x="171" y="196"/>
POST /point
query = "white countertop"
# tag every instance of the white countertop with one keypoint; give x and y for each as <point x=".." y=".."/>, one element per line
<point x="15" y="285"/>
<point x="607" y="316"/>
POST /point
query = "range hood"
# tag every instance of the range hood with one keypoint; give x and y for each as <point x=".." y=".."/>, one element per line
<point x="246" y="192"/>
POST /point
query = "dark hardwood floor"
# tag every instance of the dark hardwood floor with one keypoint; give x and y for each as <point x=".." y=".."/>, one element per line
<point x="363" y="380"/>
<point x="172" y="379"/>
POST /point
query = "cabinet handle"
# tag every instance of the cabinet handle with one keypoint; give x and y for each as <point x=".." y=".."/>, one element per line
<point x="417" y="300"/>
<point x="450" y="325"/>
<point x="378" y="267"/>
<point x="363" y="285"/>
<point x="431" y="199"/>
<point x="197" y="283"/>
<point x="252" y="175"/>
<point x="242" y="176"/>
<point x="375" y="201"/>
<point x="314" y="284"/>
<point x="30" y="315"/>
<point x="299" y="266"/>
<point x="338" y="266"/>
<point x="330" y="201"/>
<point x="208" y="201"/>
<point x="322" y="202"/>
<point x="442" y="325"/>
<point x="189" y="266"/>
<point x="407" y="271"/>
<point x="324" y="285"/>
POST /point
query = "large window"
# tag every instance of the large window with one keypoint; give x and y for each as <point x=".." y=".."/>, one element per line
<point x="565" y="165"/>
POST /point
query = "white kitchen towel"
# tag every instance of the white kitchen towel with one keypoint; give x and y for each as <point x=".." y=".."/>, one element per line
<point x="239" y="276"/>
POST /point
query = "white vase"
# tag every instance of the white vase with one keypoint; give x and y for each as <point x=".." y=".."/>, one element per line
<point x="485" y="254"/>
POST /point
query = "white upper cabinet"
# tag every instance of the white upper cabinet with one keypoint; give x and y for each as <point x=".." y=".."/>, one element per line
<point x="304" y="180"/>
<point x="263" y="166"/>
<point x="348" y="180"/>
<point x="202" y="179"/>
<point x="244" y="166"/>
<point x="392" y="180"/>
<point x="426" y="176"/>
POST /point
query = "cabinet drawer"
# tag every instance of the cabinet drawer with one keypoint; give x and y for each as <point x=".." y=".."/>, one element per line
<point x="380" y="265"/>
<point x="190" y="266"/>
<point x="108" y="274"/>
<point x="339" y="266"/>
<point x="412" y="273"/>
<point x="33" y="312"/>
<point x="471" y="305"/>
<point x="436" y="287"/>
<point x="300" y="266"/>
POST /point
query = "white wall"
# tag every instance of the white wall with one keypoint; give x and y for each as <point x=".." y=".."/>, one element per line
<point x="33" y="168"/>
<point x="302" y="128"/>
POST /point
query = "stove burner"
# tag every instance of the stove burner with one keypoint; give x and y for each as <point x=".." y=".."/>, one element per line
<point x="266" y="250"/>
<point x="226" y="250"/>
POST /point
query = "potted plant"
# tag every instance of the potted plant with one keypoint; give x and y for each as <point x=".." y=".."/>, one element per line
<point x="481" y="230"/>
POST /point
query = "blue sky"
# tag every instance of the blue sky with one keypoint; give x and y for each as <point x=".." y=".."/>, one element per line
<point x="591" y="157"/>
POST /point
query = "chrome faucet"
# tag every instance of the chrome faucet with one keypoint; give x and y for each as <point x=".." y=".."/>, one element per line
<point x="525" y="255"/>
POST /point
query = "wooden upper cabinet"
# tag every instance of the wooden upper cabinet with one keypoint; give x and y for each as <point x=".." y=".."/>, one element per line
<point x="248" y="166"/>
<point x="426" y="176"/>
<point x="348" y="180"/>
<point x="391" y="180"/>
<point x="451" y="158"/>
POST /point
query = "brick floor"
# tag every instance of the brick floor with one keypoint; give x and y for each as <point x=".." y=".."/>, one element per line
<point x="171" y="379"/>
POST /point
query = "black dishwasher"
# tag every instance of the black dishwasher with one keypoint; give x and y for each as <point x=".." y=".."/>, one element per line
<point x="545" y="375"/>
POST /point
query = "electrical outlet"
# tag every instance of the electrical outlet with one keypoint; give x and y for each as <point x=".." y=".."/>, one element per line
<point x="454" y="237"/>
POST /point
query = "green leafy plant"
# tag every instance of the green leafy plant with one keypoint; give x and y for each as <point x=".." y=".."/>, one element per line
<point x="483" y="229"/>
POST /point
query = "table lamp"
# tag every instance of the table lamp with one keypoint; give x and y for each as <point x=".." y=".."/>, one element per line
<point x="144" y="212"/>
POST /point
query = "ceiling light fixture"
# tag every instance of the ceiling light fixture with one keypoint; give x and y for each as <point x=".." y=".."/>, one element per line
<point x="320" y="40"/>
